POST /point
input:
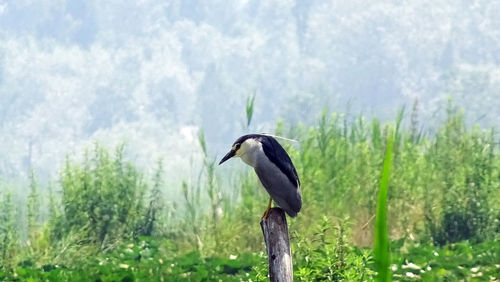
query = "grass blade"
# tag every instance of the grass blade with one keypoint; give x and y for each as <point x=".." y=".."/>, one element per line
<point x="249" y="109"/>
<point x="381" y="246"/>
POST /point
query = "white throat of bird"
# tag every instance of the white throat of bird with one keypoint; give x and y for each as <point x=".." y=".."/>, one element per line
<point x="249" y="150"/>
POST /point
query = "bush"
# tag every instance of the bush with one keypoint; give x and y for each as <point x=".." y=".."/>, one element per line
<point x="102" y="200"/>
<point x="463" y="164"/>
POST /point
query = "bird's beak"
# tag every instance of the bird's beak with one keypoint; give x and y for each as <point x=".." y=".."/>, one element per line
<point x="227" y="156"/>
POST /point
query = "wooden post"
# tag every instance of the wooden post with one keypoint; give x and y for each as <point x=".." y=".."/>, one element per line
<point x="275" y="231"/>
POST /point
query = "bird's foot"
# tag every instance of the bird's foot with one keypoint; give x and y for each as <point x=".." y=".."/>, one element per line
<point x="266" y="213"/>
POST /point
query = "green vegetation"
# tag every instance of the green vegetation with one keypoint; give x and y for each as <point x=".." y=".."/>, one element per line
<point x="108" y="221"/>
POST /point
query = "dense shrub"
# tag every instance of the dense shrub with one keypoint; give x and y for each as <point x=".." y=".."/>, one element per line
<point x="102" y="199"/>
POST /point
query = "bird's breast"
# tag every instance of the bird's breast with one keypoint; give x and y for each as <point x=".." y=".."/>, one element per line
<point x="253" y="156"/>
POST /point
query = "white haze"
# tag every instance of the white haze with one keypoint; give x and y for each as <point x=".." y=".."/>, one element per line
<point x="152" y="73"/>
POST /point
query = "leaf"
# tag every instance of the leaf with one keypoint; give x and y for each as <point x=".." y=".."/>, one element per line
<point x="381" y="246"/>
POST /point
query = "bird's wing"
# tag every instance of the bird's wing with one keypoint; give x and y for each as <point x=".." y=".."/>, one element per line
<point x="285" y="193"/>
<point x="275" y="152"/>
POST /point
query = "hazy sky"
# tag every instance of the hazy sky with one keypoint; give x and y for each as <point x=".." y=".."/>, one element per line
<point x="152" y="73"/>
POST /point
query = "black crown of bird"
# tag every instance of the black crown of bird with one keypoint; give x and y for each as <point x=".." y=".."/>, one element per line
<point x="273" y="166"/>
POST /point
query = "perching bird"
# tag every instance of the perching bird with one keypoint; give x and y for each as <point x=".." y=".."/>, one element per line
<point x="273" y="167"/>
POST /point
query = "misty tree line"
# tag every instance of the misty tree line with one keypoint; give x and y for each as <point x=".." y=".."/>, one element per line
<point x="166" y="66"/>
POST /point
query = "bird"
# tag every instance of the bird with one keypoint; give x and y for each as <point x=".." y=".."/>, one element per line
<point x="274" y="168"/>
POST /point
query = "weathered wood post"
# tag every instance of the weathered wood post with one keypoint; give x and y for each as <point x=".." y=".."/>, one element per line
<point x="275" y="231"/>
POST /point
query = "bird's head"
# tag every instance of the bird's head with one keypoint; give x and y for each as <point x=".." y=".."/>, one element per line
<point x="242" y="146"/>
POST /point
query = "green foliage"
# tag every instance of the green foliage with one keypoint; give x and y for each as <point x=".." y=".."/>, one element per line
<point x="102" y="199"/>
<point x="9" y="244"/>
<point x="154" y="209"/>
<point x="326" y="255"/>
<point x="381" y="248"/>
<point x="464" y="175"/>
<point x="33" y="204"/>
<point x="454" y="262"/>
<point x="212" y="188"/>
<point x="442" y="200"/>
<point x="148" y="259"/>
<point x="144" y="259"/>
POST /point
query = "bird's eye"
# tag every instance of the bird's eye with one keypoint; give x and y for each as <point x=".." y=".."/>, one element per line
<point x="236" y="146"/>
